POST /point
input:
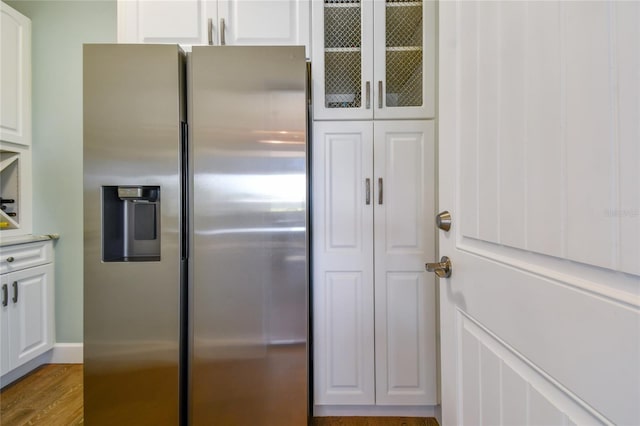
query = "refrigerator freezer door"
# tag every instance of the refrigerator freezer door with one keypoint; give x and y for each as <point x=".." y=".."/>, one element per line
<point x="250" y="314"/>
<point x="133" y="106"/>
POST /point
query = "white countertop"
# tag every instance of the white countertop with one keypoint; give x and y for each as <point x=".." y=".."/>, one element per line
<point x="24" y="239"/>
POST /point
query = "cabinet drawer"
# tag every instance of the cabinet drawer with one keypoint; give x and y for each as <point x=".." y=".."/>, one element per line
<point x="21" y="256"/>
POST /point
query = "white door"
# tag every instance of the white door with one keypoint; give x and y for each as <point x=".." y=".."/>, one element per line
<point x="170" y="21"/>
<point x="539" y="162"/>
<point x="5" y="365"/>
<point x="15" y="76"/>
<point x="264" y="22"/>
<point x="405" y="304"/>
<point x="342" y="35"/>
<point x="343" y="263"/>
<point x="403" y="53"/>
<point x="31" y="317"/>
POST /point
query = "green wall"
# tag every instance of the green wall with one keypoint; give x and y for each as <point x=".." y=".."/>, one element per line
<point x="59" y="28"/>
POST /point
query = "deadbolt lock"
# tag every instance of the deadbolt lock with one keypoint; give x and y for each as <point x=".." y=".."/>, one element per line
<point x="443" y="220"/>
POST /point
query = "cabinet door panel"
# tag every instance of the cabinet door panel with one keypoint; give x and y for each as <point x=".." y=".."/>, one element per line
<point x="404" y="240"/>
<point x="342" y="60"/>
<point x="15" y="77"/>
<point x="404" y="379"/>
<point x="343" y="264"/>
<point x="5" y="354"/>
<point x="164" y="21"/>
<point x="31" y="327"/>
<point x="404" y="59"/>
<point x="265" y="22"/>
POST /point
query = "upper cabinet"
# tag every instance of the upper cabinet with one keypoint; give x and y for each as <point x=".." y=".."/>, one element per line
<point x="373" y="59"/>
<point x="221" y="22"/>
<point x="15" y="77"/>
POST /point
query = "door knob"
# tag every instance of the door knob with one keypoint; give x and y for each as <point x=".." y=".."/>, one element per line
<point x="443" y="220"/>
<point x="442" y="268"/>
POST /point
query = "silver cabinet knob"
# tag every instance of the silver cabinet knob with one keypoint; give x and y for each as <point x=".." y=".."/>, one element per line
<point x="442" y="268"/>
<point x="10" y="259"/>
<point x="443" y="220"/>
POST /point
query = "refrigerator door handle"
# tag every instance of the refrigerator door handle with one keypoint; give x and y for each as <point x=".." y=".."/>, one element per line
<point x="185" y="189"/>
<point x="210" y="31"/>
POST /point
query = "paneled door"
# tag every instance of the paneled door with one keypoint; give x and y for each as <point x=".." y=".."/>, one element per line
<point x="343" y="289"/>
<point x="15" y="77"/>
<point x="539" y="165"/>
<point x="405" y="302"/>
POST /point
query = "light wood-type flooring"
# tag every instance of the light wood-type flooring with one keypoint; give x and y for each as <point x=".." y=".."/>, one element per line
<point x="52" y="396"/>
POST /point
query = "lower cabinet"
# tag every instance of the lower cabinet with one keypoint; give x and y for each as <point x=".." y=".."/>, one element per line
<point x="26" y="295"/>
<point x="373" y="229"/>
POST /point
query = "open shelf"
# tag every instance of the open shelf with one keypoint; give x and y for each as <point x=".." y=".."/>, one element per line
<point x="9" y="190"/>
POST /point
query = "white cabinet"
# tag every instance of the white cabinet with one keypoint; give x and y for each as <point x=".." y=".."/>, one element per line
<point x="373" y="59"/>
<point x="374" y="305"/>
<point x="15" y="77"/>
<point x="15" y="123"/>
<point x="26" y="303"/>
<point x="230" y="22"/>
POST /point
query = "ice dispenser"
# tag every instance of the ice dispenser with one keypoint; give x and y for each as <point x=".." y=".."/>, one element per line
<point x="130" y="223"/>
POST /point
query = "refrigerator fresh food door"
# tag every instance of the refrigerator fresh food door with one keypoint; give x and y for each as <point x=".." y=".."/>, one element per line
<point x="250" y="313"/>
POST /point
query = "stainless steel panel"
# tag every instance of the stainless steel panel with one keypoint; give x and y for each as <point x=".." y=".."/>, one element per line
<point x="133" y="105"/>
<point x="248" y="124"/>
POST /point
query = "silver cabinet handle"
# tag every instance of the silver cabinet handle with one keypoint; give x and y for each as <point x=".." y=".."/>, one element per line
<point x="5" y="295"/>
<point x="222" y="42"/>
<point x="368" y="94"/>
<point x="367" y="190"/>
<point x="10" y="259"/>
<point x="15" y="292"/>
<point x="380" y="94"/>
<point x="379" y="190"/>
<point x="210" y="31"/>
<point x="442" y="268"/>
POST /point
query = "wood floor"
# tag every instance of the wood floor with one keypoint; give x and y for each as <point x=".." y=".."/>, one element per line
<point x="52" y="396"/>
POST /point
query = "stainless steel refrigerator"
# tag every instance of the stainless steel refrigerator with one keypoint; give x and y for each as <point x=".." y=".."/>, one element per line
<point x="195" y="224"/>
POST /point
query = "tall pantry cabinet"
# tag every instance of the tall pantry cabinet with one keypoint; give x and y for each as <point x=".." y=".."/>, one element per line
<point x="373" y="205"/>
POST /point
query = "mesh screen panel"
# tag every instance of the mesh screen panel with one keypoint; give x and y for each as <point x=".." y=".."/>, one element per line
<point x="403" y="53"/>
<point x="343" y="58"/>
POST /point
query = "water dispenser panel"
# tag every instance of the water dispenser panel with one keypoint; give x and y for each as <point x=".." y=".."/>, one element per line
<point x="131" y="223"/>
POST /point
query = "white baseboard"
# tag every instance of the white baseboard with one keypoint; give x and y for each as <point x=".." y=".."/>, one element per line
<point x="66" y="353"/>
<point x="374" y="410"/>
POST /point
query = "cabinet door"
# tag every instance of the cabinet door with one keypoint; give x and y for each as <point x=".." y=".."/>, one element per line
<point x="404" y="55"/>
<point x="30" y="313"/>
<point x="405" y="314"/>
<point x="4" y="325"/>
<point x="343" y="263"/>
<point x="264" y="22"/>
<point x="342" y="59"/>
<point x="15" y="76"/>
<point x="165" y="21"/>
